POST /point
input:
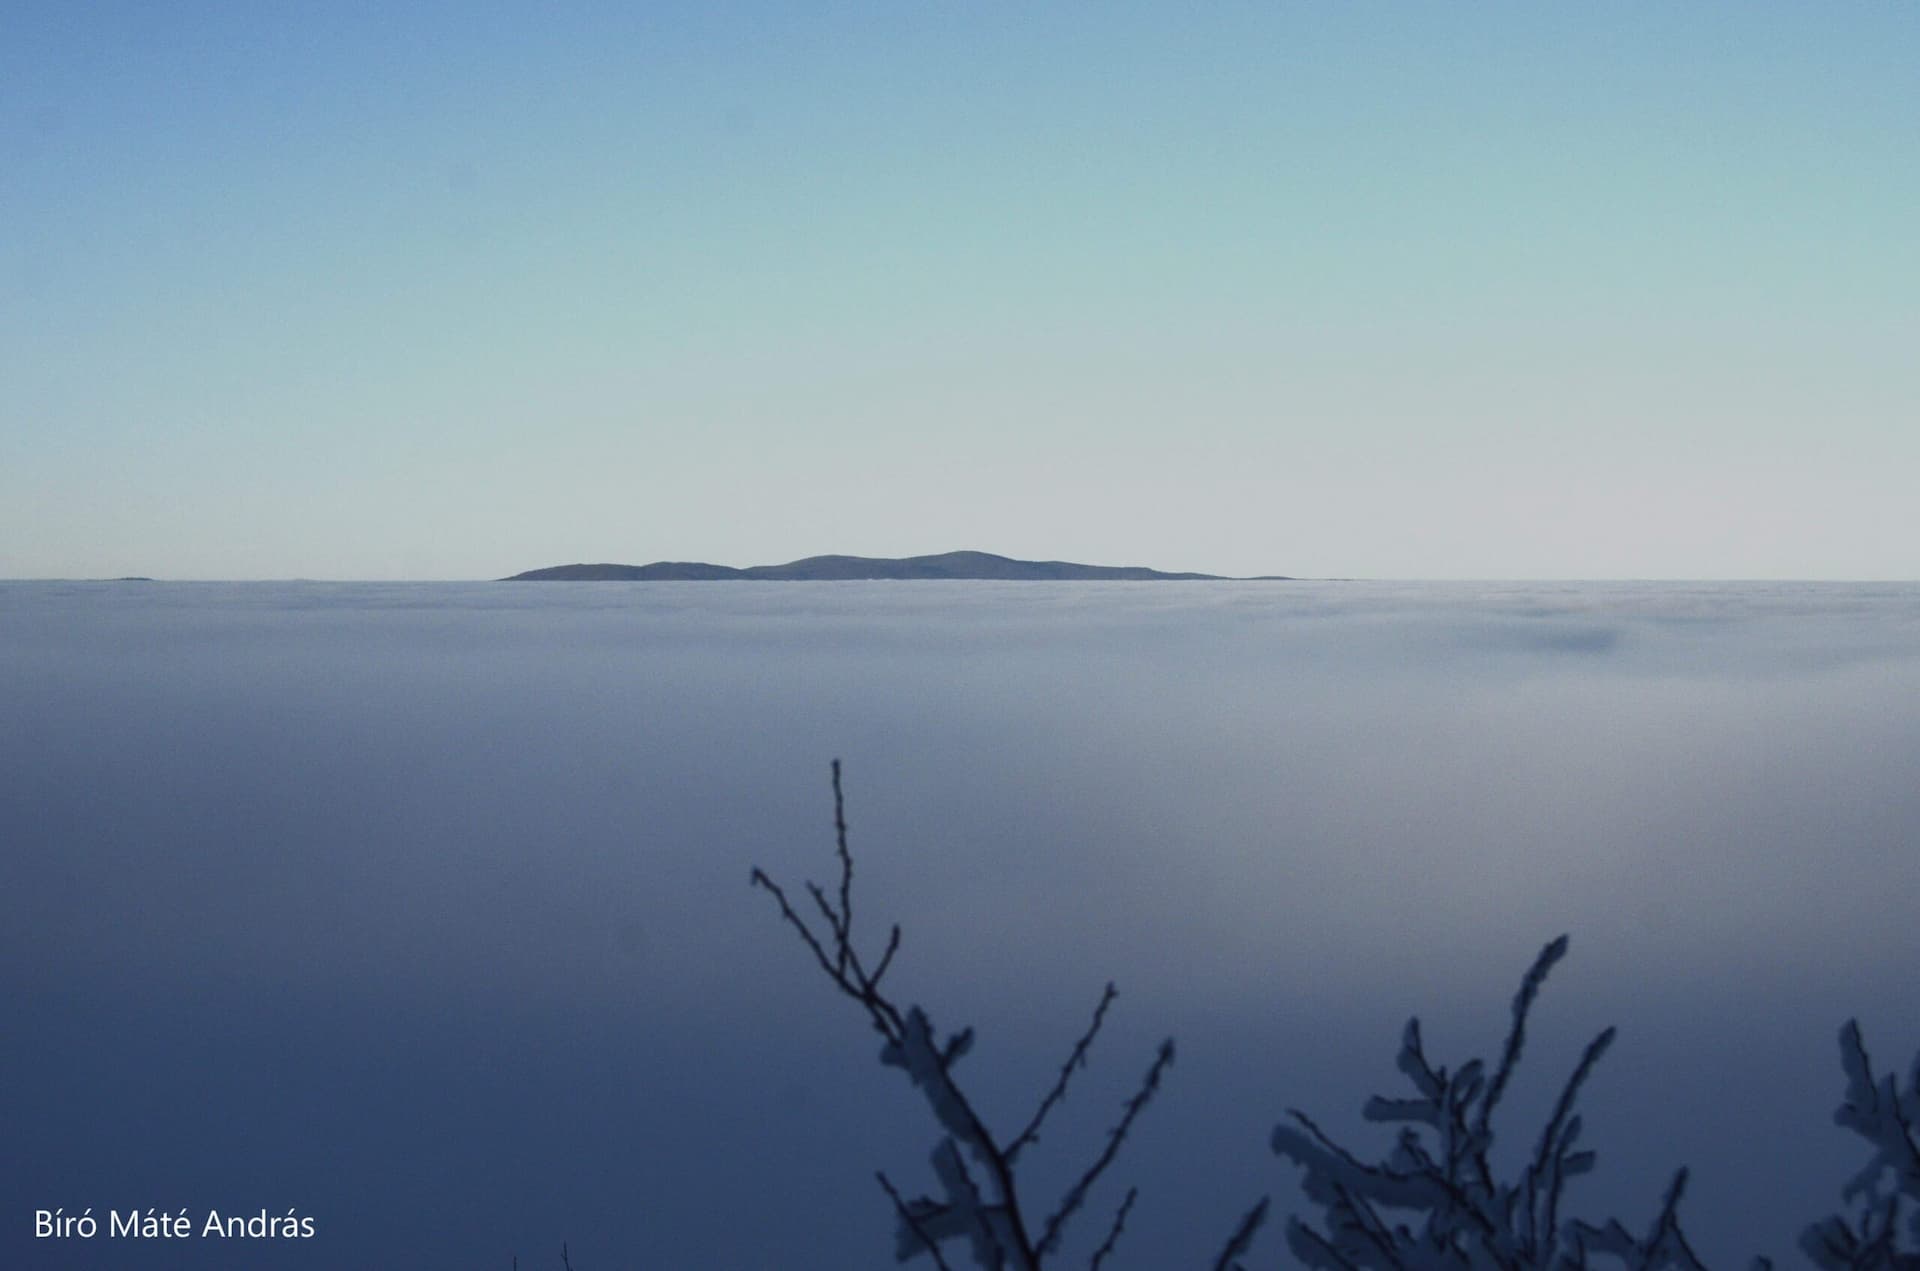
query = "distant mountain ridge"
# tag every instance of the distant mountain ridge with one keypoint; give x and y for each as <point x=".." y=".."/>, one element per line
<point x="946" y="565"/>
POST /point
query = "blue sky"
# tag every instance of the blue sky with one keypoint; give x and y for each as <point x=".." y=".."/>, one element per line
<point x="1380" y="290"/>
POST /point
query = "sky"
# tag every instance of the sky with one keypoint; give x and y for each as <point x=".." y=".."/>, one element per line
<point x="1407" y="291"/>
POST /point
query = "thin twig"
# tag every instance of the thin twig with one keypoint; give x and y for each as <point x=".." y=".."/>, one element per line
<point x="759" y="879"/>
<point x="1113" y="1232"/>
<point x="1050" y="1238"/>
<point x="886" y="959"/>
<point x="845" y="972"/>
<point x="846" y="865"/>
<point x="1522" y="1004"/>
<point x="1242" y="1238"/>
<point x="1078" y="1059"/>
<point x="1541" y="1231"/>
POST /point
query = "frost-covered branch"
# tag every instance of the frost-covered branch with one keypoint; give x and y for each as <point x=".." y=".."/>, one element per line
<point x="1664" y="1245"/>
<point x="1888" y="1186"/>
<point x="910" y="1222"/>
<point x="1435" y="1200"/>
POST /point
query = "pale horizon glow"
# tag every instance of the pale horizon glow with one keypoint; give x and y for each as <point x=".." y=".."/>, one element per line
<point x="1485" y="291"/>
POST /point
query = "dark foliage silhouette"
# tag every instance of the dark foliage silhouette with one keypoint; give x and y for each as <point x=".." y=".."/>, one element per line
<point x="1434" y="1202"/>
<point x="1885" y="1194"/>
<point x="1440" y="1173"/>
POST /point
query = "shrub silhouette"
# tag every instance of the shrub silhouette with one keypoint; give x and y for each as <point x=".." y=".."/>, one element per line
<point x="1887" y="1188"/>
<point x="1440" y="1171"/>
<point x="1434" y="1203"/>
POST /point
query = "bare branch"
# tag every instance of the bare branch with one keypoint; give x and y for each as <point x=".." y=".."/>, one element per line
<point x="996" y="1224"/>
<point x="886" y="959"/>
<point x="759" y="879"/>
<point x="846" y="865"/>
<point x="1078" y="1059"/>
<point x="1050" y="1237"/>
<point x="833" y="924"/>
<point x="1242" y="1238"/>
<point x="1113" y="1233"/>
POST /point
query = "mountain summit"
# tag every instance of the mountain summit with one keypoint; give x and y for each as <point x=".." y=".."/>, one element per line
<point x="949" y="565"/>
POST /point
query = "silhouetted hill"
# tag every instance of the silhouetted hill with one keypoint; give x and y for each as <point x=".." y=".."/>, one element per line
<point x="951" y="565"/>
<point x="659" y="572"/>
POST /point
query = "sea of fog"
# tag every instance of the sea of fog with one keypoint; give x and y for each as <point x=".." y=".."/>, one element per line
<point x="423" y="910"/>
